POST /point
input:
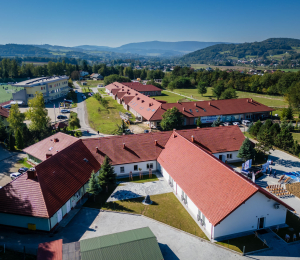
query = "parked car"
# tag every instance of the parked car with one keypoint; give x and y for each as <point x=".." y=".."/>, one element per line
<point x="15" y="175"/>
<point x="227" y="124"/>
<point x="146" y="131"/>
<point x="62" y="117"/>
<point x="65" y="111"/>
<point x="23" y="169"/>
<point x="236" y="123"/>
<point x="246" y="122"/>
<point x="128" y="131"/>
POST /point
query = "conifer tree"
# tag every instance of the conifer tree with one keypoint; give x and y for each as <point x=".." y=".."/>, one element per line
<point x="284" y="139"/>
<point x="19" y="140"/>
<point x="94" y="185"/>
<point x="107" y="174"/>
<point x="198" y="121"/>
<point x="216" y="122"/>
<point x="246" y="151"/>
<point x="11" y="141"/>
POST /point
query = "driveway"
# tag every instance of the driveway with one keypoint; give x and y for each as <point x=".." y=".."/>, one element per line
<point x="282" y="163"/>
<point x="8" y="164"/>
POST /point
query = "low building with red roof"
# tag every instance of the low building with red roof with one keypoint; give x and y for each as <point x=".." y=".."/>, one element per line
<point x="221" y="200"/>
<point x="148" y="90"/>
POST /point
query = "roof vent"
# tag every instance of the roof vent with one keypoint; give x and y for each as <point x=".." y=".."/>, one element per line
<point x="209" y="103"/>
<point x="97" y="150"/>
<point x="195" y="104"/>
<point x="31" y="174"/>
<point x="124" y="146"/>
<point x="155" y="142"/>
<point x="56" y="140"/>
<point x="193" y="139"/>
<point x="183" y="109"/>
<point x="86" y="160"/>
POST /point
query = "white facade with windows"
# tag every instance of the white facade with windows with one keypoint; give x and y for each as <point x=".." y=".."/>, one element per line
<point x="125" y="169"/>
<point x="257" y="212"/>
<point x="228" y="156"/>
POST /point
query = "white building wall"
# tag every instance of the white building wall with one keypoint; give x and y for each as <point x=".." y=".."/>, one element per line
<point x="130" y="167"/>
<point x="245" y="218"/>
<point x="224" y="156"/>
<point x="191" y="207"/>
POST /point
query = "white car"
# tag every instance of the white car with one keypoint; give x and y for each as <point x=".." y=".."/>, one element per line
<point x="246" y="122"/>
<point x="236" y="123"/>
<point x="15" y="175"/>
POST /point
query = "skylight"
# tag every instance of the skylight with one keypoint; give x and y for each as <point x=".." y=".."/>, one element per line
<point x="197" y="110"/>
<point x="191" y="110"/>
<point x="153" y="110"/>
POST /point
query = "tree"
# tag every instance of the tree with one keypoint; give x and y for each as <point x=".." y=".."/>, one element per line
<point x="255" y="129"/>
<point x="37" y="113"/>
<point x="74" y="122"/>
<point x="295" y="148"/>
<point x="246" y="151"/>
<point x="94" y="185"/>
<point x="218" y="90"/>
<point x="229" y="93"/>
<point x="107" y="174"/>
<point x="11" y="141"/>
<point x="274" y="130"/>
<point x="249" y="127"/>
<point x="290" y="126"/>
<point x="217" y="122"/>
<point x="15" y="118"/>
<point x="19" y="140"/>
<point x="293" y="94"/>
<point x="198" y="121"/>
<point x="289" y="113"/>
<point x="202" y="88"/>
<point x="3" y="134"/>
<point x="284" y="139"/>
<point x="121" y="129"/>
<point x="75" y="75"/>
<point x="115" y="78"/>
<point x="171" y="119"/>
<point x="265" y="141"/>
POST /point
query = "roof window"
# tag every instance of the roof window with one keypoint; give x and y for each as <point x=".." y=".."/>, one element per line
<point x="197" y="110"/>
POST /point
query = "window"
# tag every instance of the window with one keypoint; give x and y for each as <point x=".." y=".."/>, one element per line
<point x="122" y="169"/>
<point x="149" y="165"/>
<point x="135" y="167"/>
<point x="229" y="156"/>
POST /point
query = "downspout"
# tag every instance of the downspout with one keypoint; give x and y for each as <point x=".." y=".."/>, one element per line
<point x="211" y="231"/>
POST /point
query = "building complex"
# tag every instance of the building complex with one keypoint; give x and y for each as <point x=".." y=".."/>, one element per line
<point x="221" y="200"/>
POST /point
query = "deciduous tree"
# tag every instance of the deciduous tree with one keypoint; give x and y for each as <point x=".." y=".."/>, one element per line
<point x="171" y="119"/>
<point x="15" y="118"/>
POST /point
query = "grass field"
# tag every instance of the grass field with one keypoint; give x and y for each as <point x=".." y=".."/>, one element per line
<point x="251" y="243"/>
<point x="203" y="66"/>
<point x="296" y="137"/>
<point x="92" y="83"/>
<point x="165" y="208"/>
<point x="290" y="70"/>
<point x="105" y="121"/>
<point x="272" y="101"/>
<point x="170" y="97"/>
<point x="6" y="92"/>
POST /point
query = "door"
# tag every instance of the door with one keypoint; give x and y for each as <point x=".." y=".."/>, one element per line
<point x="59" y="215"/>
<point x="261" y="223"/>
<point x="68" y="206"/>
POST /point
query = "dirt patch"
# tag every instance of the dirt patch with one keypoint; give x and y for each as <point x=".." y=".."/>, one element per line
<point x="136" y="129"/>
<point x="294" y="188"/>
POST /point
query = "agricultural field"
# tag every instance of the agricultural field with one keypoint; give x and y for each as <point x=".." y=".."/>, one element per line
<point x="35" y="63"/>
<point x="6" y="92"/>
<point x="204" y="66"/>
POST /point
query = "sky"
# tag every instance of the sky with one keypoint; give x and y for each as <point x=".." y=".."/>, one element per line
<point x="115" y="22"/>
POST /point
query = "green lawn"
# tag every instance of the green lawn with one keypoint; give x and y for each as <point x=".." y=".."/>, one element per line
<point x="165" y="208"/>
<point x="94" y="83"/>
<point x="137" y="179"/>
<point x="105" y="121"/>
<point x="296" y="136"/>
<point x="13" y="255"/>
<point x="251" y="243"/>
<point x="6" y="92"/>
<point x="170" y="97"/>
<point x="25" y="163"/>
<point x="268" y="100"/>
<point x="294" y="227"/>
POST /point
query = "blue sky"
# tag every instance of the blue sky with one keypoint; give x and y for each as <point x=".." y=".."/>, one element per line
<point x="115" y="22"/>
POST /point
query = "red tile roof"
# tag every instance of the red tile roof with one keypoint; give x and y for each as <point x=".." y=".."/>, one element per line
<point x="4" y="112"/>
<point x="213" y="186"/>
<point x="58" y="179"/>
<point x="40" y="149"/>
<point x="127" y="99"/>
<point x="141" y="87"/>
<point x="216" y="139"/>
<point x="212" y="108"/>
<point x="138" y="148"/>
<point x="50" y="250"/>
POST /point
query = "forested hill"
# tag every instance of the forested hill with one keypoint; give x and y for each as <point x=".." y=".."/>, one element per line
<point x="22" y="50"/>
<point x="264" y="49"/>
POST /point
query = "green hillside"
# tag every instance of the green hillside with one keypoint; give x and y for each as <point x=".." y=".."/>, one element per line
<point x="272" y="49"/>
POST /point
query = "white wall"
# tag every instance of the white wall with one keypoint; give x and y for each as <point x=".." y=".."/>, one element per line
<point x="191" y="207"/>
<point x="245" y="218"/>
<point x="224" y="157"/>
<point x="130" y="167"/>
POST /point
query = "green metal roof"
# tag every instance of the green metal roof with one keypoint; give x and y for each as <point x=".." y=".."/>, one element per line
<point x="133" y="244"/>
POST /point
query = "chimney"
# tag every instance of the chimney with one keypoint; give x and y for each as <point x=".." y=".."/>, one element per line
<point x="251" y="99"/>
<point x="195" y="104"/>
<point x="183" y="109"/>
<point x="155" y="142"/>
<point x="124" y="146"/>
<point x="31" y="174"/>
<point x="193" y="139"/>
<point x="178" y="102"/>
<point x="97" y="150"/>
<point x="209" y="103"/>
<point x="198" y="127"/>
<point x="48" y="155"/>
<point x="56" y="140"/>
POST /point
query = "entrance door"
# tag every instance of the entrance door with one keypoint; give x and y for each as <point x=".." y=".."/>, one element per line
<point x="68" y="206"/>
<point x="261" y="223"/>
<point x="59" y="215"/>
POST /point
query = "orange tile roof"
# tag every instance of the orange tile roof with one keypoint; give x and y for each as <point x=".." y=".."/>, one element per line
<point x="49" y="146"/>
<point x="215" y="188"/>
<point x="4" y="112"/>
<point x="50" y="250"/>
<point x="141" y="87"/>
<point x="212" y="108"/>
